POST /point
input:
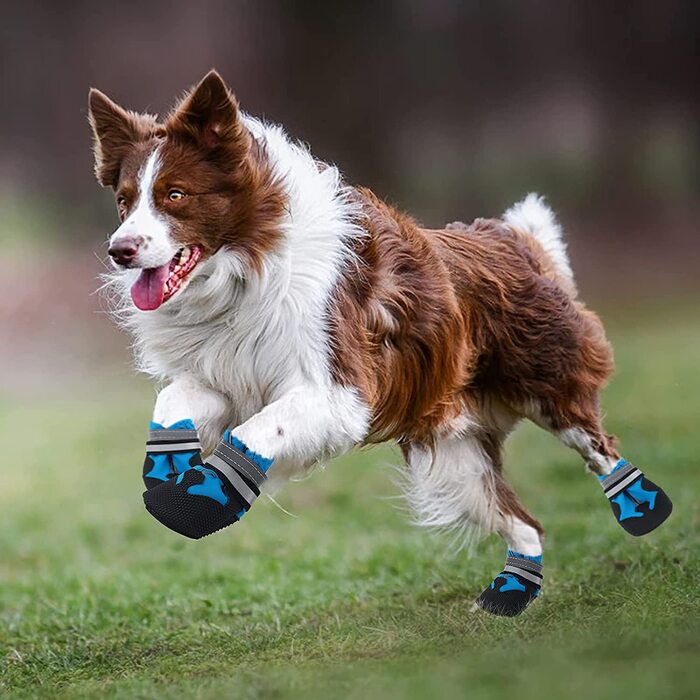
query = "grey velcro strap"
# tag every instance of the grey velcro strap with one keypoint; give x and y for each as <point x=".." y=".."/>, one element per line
<point x="532" y="566"/>
<point x="524" y="573"/>
<point x="621" y="479"/>
<point x="240" y="462"/>
<point x="172" y="440"/>
<point x="233" y="465"/>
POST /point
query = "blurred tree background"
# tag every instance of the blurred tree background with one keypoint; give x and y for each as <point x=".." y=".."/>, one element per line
<point x="449" y="109"/>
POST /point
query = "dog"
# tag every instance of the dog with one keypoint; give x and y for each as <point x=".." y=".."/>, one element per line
<point x="312" y="317"/>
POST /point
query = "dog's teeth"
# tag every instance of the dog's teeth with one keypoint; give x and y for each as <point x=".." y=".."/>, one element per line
<point x="184" y="255"/>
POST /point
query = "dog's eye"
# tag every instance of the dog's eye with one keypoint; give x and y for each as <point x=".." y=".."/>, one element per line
<point x="121" y="206"/>
<point x="176" y="195"/>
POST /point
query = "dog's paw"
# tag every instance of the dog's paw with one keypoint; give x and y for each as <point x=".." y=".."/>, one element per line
<point x="206" y="498"/>
<point x="638" y="504"/>
<point x="195" y="504"/>
<point x="170" y="451"/>
<point x="263" y="463"/>
<point x="514" y="588"/>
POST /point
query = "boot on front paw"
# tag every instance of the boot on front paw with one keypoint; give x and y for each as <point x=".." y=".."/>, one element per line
<point x="170" y="451"/>
<point x="639" y="505"/>
<point x="515" y="587"/>
<point x="206" y="498"/>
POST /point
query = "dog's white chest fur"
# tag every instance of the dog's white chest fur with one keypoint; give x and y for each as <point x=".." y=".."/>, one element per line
<point x="254" y="338"/>
<point x="252" y="353"/>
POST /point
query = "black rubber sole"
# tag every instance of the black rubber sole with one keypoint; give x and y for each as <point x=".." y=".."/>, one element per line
<point x="182" y="510"/>
<point x="508" y="603"/>
<point x="641" y="518"/>
<point x="181" y="529"/>
<point x="502" y="610"/>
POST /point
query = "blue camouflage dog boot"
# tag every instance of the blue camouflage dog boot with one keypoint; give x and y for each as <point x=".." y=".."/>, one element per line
<point x="638" y="504"/>
<point x="515" y="587"/>
<point x="170" y="451"/>
<point x="206" y="498"/>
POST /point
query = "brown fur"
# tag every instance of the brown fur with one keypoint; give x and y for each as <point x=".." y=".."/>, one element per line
<point x="232" y="198"/>
<point x="436" y="320"/>
<point x="437" y="323"/>
<point x="115" y="131"/>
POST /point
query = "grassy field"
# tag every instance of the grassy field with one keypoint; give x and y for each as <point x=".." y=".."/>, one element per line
<point x="345" y="598"/>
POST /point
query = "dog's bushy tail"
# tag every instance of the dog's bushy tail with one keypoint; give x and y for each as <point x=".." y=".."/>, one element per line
<point x="534" y="216"/>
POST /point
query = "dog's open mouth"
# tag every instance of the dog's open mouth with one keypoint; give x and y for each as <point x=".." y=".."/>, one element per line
<point x="156" y="285"/>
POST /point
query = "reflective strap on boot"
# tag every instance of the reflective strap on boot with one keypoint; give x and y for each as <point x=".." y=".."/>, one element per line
<point x="233" y="465"/>
<point x="527" y="569"/>
<point x="172" y="440"/>
<point x="620" y="479"/>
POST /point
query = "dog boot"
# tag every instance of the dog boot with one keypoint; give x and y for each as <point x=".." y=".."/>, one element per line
<point x="206" y="498"/>
<point x="515" y="587"/>
<point x="638" y="504"/>
<point x="170" y="451"/>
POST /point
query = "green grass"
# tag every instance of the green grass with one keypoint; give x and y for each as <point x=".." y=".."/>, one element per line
<point x="346" y="599"/>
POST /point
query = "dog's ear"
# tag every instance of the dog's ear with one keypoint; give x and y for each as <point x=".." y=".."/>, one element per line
<point x="114" y="131"/>
<point x="208" y="116"/>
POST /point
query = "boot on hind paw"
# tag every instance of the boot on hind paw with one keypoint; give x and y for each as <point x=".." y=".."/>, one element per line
<point x="637" y="503"/>
<point x="206" y="498"/>
<point x="515" y="587"/>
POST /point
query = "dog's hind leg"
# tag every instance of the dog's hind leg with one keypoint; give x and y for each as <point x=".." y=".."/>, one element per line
<point x="639" y="505"/>
<point x="456" y="482"/>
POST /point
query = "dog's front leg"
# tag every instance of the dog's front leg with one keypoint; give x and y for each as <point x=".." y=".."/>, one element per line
<point x="187" y="399"/>
<point x="300" y="427"/>
<point x="187" y="417"/>
<point x="305" y="425"/>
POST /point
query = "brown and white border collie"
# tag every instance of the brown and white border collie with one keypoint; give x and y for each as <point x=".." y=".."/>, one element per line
<point x="272" y="296"/>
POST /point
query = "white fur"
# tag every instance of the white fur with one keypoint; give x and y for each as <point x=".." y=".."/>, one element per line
<point x="576" y="438"/>
<point x="261" y="341"/>
<point x="146" y="224"/>
<point x="306" y="425"/>
<point x="451" y="486"/>
<point x="188" y="398"/>
<point x="534" y="216"/>
<point x="521" y="537"/>
<point x="579" y="440"/>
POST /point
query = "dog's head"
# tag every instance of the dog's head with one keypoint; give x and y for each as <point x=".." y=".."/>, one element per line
<point x="185" y="189"/>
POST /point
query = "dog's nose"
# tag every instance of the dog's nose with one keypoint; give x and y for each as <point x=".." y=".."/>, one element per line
<point x="124" y="250"/>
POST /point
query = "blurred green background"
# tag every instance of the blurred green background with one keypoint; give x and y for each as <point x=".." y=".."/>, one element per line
<point x="451" y="110"/>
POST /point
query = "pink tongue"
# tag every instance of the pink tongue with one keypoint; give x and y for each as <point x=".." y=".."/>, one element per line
<point x="147" y="292"/>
